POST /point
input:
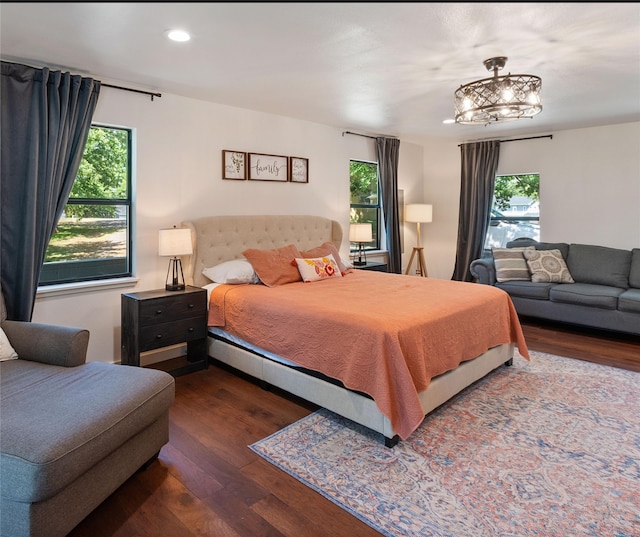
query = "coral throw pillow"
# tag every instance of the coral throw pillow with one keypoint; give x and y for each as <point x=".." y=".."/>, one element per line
<point x="318" y="268"/>
<point x="274" y="267"/>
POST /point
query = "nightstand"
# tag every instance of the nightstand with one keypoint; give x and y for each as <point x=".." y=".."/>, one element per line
<point x="373" y="265"/>
<point x="159" y="318"/>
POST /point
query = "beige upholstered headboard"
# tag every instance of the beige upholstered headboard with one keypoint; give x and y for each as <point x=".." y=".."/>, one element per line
<point x="223" y="238"/>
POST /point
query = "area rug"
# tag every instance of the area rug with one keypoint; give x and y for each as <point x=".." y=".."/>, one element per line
<point x="549" y="447"/>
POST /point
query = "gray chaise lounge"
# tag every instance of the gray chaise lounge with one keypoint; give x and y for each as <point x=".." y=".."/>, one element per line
<point x="70" y="432"/>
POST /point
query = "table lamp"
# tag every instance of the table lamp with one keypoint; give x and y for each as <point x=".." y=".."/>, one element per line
<point x="173" y="243"/>
<point x="360" y="233"/>
<point x="419" y="213"/>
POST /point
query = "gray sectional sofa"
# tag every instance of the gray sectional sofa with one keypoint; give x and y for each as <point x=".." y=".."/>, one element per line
<point x="605" y="292"/>
<point x="70" y="432"/>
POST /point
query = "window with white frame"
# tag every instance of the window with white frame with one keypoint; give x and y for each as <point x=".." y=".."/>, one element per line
<point x="92" y="240"/>
<point x="365" y="200"/>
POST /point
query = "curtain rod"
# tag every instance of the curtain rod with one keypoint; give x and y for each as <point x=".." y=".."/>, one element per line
<point x="366" y="135"/>
<point x="515" y="139"/>
<point x="151" y="94"/>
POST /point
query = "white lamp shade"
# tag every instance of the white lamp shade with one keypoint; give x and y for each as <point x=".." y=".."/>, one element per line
<point x="360" y="233"/>
<point x="174" y="242"/>
<point x="418" y="212"/>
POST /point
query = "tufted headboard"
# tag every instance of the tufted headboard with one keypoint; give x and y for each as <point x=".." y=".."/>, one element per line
<point x="223" y="238"/>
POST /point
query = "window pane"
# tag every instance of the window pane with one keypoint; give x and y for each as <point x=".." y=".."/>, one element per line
<point x="364" y="183"/>
<point x="88" y="248"/>
<point x="515" y="212"/>
<point x="104" y="168"/>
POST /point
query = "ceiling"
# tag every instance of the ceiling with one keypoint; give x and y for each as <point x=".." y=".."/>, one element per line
<point x="374" y="68"/>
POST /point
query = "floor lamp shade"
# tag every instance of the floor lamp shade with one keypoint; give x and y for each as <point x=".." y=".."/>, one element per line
<point x="420" y="213"/>
<point x="360" y="233"/>
<point x="173" y="243"/>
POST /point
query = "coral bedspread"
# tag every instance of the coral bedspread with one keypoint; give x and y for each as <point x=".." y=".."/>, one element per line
<point x="386" y="335"/>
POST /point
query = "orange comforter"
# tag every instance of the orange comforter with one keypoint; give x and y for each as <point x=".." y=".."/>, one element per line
<point x="386" y="335"/>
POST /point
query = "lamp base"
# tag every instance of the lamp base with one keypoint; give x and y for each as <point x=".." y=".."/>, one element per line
<point x="178" y="287"/>
<point x="359" y="263"/>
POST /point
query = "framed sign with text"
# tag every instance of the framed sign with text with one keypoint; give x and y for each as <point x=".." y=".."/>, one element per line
<point x="298" y="170"/>
<point x="268" y="167"/>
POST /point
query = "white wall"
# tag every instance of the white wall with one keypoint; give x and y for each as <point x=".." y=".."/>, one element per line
<point x="177" y="176"/>
<point x="589" y="188"/>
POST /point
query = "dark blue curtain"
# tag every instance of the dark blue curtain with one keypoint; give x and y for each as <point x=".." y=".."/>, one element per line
<point x="45" y="121"/>
<point x="477" y="182"/>
<point x="388" y="150"/>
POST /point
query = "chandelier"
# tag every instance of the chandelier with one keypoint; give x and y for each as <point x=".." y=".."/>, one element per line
<point x="498" y="99"/>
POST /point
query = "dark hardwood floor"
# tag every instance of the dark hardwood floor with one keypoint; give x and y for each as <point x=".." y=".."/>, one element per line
<point x="207" y="482"/>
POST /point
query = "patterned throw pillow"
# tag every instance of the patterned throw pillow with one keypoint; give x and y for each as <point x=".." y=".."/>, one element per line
<point x="510" y="264"/>
<point x="318" y="268"/>
<point x="547" y="266"/>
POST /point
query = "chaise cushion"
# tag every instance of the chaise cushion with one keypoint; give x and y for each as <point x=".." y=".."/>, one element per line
<point x="57" y="422"/>
<point x="585" y="294"/>
<point x="599" y="265"/>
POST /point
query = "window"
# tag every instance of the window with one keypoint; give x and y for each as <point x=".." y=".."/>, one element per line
<point x="365" y="201"/>
<point x="93" y="237"/>
<point x="515" y="211"/>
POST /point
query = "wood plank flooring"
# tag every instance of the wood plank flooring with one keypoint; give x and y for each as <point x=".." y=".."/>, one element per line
<point x="207" y="482"/>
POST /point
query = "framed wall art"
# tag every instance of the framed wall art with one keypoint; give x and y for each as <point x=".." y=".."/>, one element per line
<point x="234" y="165"/>
<point x="298" y="170"/>
<point x="268" y="167"/>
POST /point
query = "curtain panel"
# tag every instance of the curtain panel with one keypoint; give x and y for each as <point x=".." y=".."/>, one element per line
<point x="45" y="121"/>
<point x="388" y="150"/>
<point x="477" y="182"/>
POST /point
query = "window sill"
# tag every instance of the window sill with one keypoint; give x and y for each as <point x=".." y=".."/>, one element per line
<point x="62" y="289"/>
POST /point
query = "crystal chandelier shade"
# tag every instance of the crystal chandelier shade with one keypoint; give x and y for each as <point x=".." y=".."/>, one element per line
<point x="499" y="98"/>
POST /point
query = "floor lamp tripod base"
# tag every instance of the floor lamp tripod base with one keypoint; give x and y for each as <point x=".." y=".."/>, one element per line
<point x="421" y="268"/>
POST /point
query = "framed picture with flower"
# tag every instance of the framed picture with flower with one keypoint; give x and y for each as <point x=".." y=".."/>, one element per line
<point x="234" y="165"/>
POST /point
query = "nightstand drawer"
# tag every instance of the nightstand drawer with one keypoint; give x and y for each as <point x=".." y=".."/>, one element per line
<point x="167" y="309"/>
<point x="161" y="335"/>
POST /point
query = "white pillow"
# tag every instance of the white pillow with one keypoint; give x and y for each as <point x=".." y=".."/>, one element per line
<point x="7" y="352"/>
<point x="318" y="268"/>
<point x="235" y="271"/>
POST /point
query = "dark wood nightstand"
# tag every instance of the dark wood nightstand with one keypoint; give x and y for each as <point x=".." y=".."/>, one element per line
<point x="373" y="265"/>
<point x="159" y="318"/>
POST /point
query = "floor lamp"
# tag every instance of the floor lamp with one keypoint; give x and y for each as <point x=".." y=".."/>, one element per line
<point x="419" y="213"/>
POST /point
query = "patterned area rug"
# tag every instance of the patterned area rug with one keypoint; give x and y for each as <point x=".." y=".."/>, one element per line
<point x="549" y="447"/>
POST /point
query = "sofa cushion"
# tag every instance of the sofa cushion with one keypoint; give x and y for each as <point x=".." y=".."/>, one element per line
<point x="524" y="289"/>
<point x="519" y="243"/>
<point x="57" y="422"/>
<point x="599" y="265"/>
<point x="629" y="301"/>
<point x="585" y="294"/>
<point x="634" y="271"/>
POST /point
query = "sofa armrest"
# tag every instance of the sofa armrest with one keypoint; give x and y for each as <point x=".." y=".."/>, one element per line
<point x="484" y="271"/>
<point x="48" y="343"/>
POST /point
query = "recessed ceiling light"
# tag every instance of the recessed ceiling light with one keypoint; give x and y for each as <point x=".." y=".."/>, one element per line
<point x="449" y="121"/>
<point x="178" y="35"/>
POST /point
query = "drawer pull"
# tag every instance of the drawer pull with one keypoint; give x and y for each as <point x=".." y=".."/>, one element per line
<point x="191" y="329"/>
<point x="159" y="336"/>
<point x="190" y="306"/>
<point x="158" y="312"/>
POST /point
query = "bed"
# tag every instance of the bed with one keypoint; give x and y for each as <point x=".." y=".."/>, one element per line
<point x="364" y="361"/>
